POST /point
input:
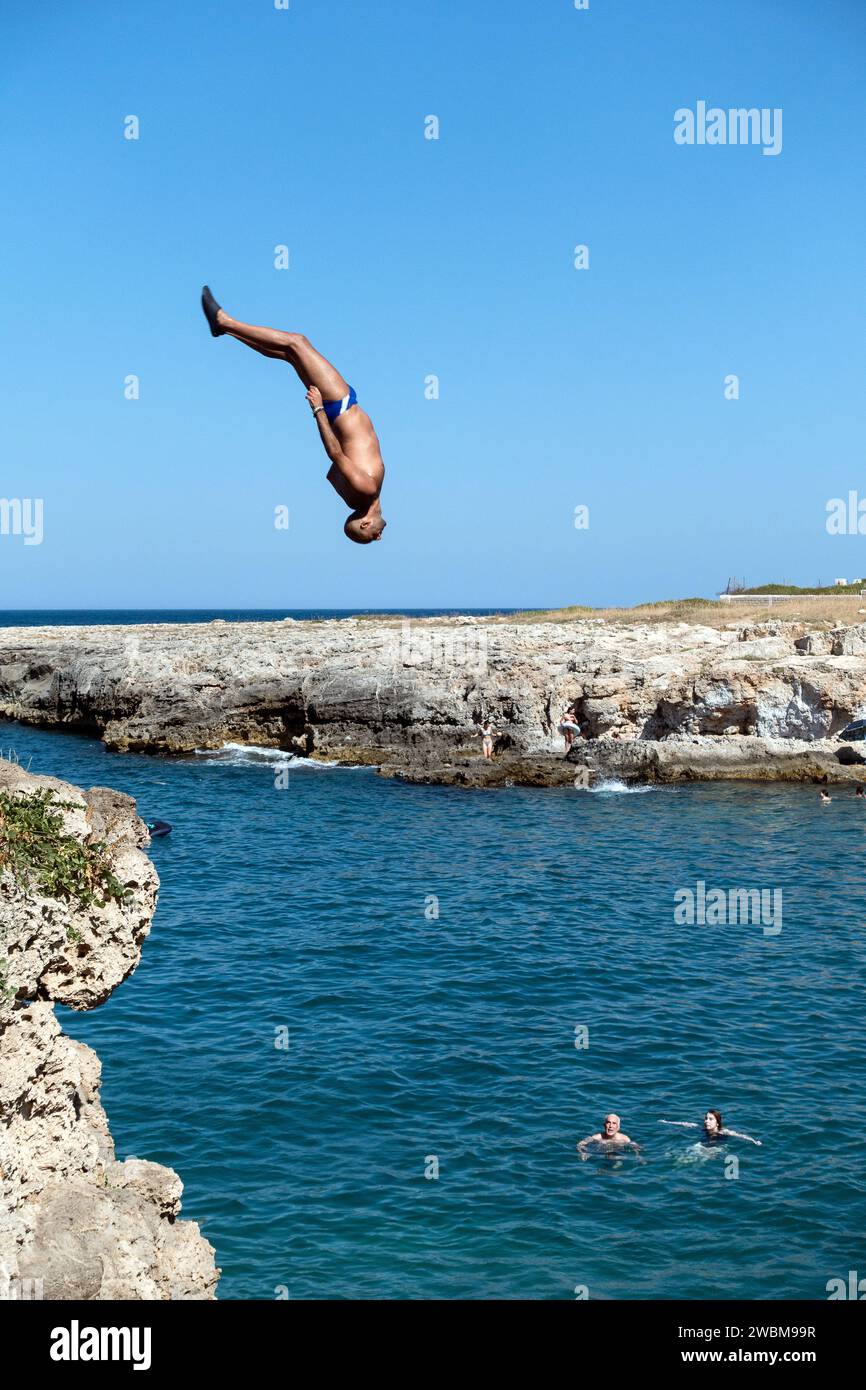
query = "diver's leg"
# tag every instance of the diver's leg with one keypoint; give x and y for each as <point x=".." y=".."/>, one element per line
<point x="265" y="351"/>
<point x="310" y="365"/>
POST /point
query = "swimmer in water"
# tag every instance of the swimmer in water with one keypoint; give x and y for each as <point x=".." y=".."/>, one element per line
<point x="714" y="1129"/>
<point x="824" y="798"/>
<point x="611" y="1135"/>
<point x="859" y="791"/>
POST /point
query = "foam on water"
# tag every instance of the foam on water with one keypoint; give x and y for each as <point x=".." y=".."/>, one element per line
<point x="611" y="786"/>
<point x="249" y="754"/>
<point x="698" y="1153"/>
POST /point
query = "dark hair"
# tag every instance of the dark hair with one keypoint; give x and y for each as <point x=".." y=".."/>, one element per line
<point x="718" y="1117"/>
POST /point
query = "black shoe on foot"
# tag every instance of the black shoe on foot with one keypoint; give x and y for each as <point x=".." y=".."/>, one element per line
<point x="211" y="309"/>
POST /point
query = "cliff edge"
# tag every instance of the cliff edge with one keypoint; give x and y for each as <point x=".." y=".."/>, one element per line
<point x="77" y="895"/>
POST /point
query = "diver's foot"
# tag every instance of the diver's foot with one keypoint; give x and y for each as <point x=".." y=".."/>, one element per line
<point x="211" y="311"/>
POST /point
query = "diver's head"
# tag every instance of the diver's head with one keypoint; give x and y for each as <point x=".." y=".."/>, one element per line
<point x="611" y="1125"/>
<point x="364" y="527"/>
<point x="712" y="1122"/>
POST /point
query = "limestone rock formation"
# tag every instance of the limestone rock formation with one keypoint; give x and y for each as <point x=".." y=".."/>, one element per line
<point x="74" y="1222"/>
<point x="410" y="695"/>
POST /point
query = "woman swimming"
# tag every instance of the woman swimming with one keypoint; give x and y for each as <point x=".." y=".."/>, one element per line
<point x="714" y="1129"/>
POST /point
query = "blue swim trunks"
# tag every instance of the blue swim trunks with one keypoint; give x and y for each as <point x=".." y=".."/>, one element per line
<point x="335" y="408"/>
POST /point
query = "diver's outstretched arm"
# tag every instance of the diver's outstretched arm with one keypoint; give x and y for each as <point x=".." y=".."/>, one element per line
<point x="735" y="1134"/>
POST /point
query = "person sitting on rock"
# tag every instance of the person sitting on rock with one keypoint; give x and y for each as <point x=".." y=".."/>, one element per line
<point x="346" y="431"/>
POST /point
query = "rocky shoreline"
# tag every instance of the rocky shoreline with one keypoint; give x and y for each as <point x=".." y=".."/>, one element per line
<point x="694" y="759"/>
<point x="658" y="701"/>
<point x="74" y="1222"/>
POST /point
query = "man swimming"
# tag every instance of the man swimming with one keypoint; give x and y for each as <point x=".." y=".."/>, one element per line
<point x="714" y="1130"/>
<point x="346" y="431"/>
<point x="611" y="1134"/>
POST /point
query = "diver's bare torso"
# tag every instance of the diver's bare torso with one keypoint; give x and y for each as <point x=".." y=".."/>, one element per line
<point x="360" y="443"/>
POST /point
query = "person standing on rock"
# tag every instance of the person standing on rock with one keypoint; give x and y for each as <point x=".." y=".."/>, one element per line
<point x="346" y="431"/>
<point x="568" y="726"/>
<point x="488" y="736"/>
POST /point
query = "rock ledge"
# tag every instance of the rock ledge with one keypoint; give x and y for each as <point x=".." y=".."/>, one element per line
<point x="74" y="1222"/>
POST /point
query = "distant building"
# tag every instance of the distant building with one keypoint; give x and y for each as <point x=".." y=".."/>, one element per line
<point x="843" y="583"/>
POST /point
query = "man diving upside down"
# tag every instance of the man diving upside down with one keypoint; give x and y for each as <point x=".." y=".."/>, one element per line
<point x="346" y="430"/>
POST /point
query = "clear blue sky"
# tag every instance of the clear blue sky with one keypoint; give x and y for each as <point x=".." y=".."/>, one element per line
<point x="411" y="257"/>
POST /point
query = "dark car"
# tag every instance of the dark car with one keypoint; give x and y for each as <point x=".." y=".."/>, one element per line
<point x="854" y="731"/>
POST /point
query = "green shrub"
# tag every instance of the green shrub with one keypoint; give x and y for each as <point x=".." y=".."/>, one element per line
<point x="835" y="590"/>
<point x="36" y="850"/>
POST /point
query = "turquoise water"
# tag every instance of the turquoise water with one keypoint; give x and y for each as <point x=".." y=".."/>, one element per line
<point x="412" y="1036"/>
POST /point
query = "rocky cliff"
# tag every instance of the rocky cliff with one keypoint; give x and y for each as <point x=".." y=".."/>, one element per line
<point x="76" y="899"/>
<point x="734" y="700"/>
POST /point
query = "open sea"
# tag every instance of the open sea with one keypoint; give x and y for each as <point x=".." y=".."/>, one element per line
<point x="356" y="1031"/>
<point x="83" y="617"/>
